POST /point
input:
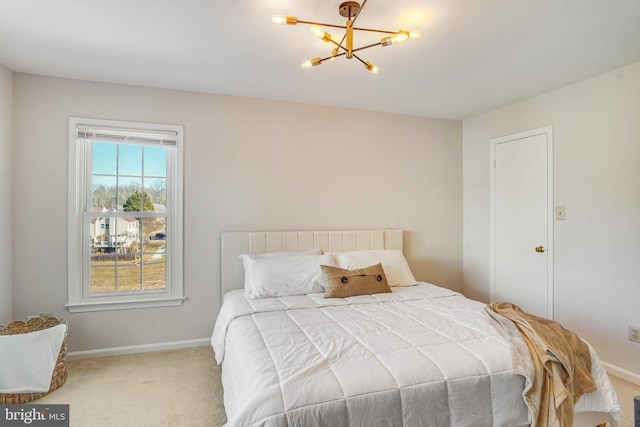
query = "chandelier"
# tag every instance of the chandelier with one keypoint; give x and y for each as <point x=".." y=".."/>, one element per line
<point x="350" y="10"/>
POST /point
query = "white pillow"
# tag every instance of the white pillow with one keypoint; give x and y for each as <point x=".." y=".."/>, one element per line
<point x="393" y="262"/>
<point x="297" y="274"/>
<point x="247" y="271"/>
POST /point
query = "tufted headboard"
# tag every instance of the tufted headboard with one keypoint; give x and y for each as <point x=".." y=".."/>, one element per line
<point x="236" y="243"/>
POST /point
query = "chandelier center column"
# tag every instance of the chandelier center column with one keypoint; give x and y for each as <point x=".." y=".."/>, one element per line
<point x="349" y="39"/>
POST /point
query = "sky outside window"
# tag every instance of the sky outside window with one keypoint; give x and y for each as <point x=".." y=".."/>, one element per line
<point x="134" y="166"/>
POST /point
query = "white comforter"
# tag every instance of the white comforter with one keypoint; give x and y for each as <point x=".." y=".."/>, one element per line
<point x="420" y="356"/>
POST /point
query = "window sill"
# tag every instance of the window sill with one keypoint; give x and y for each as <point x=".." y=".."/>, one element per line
<point x="83" y="307"/>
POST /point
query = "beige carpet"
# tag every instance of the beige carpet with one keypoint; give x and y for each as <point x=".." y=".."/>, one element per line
<point x="168" y="388"/>
<point x="173" y="388"/>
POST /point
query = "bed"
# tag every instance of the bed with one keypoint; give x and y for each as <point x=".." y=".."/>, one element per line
<point x="421" y="355"/>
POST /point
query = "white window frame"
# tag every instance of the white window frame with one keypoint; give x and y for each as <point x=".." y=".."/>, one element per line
<point x="79" y="296"/>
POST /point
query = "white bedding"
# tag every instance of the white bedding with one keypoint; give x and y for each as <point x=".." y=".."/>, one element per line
<point x="420" y="356"/>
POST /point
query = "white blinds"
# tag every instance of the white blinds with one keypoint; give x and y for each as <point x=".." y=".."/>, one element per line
<point x="124" y="135"/>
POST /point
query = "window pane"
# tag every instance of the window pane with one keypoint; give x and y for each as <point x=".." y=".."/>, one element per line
<point x="103" y="273"/>
<point x="150" y="226"/>
<point x="134" y="245"/>
<point x="157" y="239"/>
<point x="130" y="157"/>
<point x="98" y="236"/>
<point x="128" y="235"/>
<point x="155" y="255"/>
<point x="103" y="191"/>
<point x="154" y="271"/>
<point x="155" y="161"/>
<point x="157" y="190"/>
<point x="129" y="275"/>
<point x="130" y="194"/>
<point x="104" y="158"/>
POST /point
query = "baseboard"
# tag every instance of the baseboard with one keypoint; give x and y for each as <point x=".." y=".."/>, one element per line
<point x="134" y="349"/>
<point x="619" y="372"/>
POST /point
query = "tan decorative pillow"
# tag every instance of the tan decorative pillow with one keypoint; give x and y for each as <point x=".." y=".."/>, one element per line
<point x="341" y="283"/>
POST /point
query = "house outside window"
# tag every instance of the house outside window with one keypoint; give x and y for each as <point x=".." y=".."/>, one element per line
<point x="125" y="215"/>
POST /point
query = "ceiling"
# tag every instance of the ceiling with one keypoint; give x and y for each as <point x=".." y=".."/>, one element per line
<point x="473" y="56"/>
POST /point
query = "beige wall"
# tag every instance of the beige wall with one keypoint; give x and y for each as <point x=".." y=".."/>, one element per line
<point x="596" y="125"/>
<point x="249" y="165"/>
<point x="6" y="121"/>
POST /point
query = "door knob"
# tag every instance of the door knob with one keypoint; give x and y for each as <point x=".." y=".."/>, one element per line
<point x="540" y="249"/>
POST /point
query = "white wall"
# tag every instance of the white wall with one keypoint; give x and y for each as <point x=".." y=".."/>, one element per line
<point x="249" y="165"/>
<point x="6" y="121"/>
<point x="596" y="126"/>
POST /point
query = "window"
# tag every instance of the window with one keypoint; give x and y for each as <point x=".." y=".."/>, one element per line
<point x="125" y="215"/>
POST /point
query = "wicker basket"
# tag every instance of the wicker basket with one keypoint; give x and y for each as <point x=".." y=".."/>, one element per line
<point x="59" y="375"/>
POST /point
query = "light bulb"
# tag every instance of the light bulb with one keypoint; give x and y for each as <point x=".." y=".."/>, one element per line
<point x="311" y="62"/>
<point x="369" y="66"/>
<point x="395" y="39"/>
<point x="320" y="33"/>
<point x="413" y="35"/>
<point x="399" y="38"/>
<point x="281" y="19"/>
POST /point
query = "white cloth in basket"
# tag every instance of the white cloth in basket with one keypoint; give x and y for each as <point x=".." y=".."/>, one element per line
<point x="27" y="360"/>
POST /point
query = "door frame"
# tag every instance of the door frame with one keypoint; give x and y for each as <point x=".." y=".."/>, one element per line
<point x="548" y="131"/>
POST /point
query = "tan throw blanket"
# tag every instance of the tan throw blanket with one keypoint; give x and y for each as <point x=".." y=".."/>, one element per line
<point x="561" y="363"/>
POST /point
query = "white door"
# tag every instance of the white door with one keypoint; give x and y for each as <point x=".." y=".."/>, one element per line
<point x="522" y="221"/>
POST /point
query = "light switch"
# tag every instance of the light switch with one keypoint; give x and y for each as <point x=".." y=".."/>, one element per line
<point x="561" y="213"/>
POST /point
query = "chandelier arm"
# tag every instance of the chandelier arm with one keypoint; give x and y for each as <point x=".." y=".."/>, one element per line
<point x="321" y="23"/>
<point x="371" y="30"/>
<point x="359" y="59"/>
<point x="354" y="50"/>
<point x="367" y="46"/>
<point x="338" y="44"/>
<point x="333" y="56"/>
<point x="375" y="31"/>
